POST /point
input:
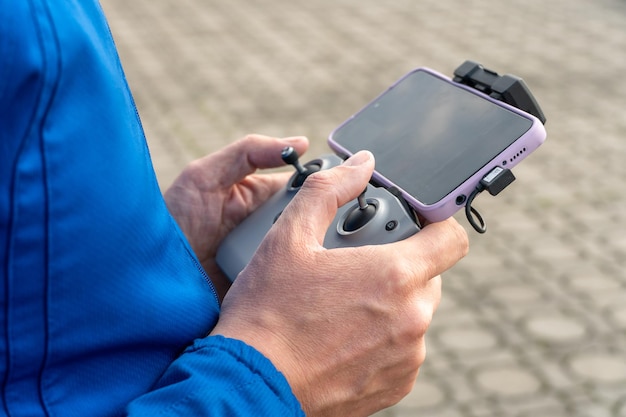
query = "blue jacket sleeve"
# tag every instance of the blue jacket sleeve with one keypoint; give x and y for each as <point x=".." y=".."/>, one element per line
<point x="219" y="377"/>
<point x="101" y="297"/>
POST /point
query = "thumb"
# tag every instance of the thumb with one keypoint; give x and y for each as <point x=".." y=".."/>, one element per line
<point x="314" y="207"/>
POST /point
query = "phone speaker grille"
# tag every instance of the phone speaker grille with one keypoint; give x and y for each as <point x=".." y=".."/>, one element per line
<point x="514" y="157"/>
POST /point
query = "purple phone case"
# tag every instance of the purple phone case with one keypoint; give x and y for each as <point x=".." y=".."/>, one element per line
<point x="509" y="158"/>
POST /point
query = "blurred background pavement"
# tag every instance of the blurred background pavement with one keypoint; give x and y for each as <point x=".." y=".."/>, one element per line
<point x="533" y="321"/>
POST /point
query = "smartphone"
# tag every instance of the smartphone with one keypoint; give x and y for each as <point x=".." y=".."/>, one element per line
<point x="435" y="139"/>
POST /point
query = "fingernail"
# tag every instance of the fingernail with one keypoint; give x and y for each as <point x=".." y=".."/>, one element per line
<point x="294" y="140"/>
<point x="358" y="158"/>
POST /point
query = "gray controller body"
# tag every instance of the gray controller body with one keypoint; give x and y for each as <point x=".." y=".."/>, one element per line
<point x="391" y="222"/>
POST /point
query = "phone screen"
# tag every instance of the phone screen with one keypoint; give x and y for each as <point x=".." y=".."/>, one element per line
<point x="429" y="136"/>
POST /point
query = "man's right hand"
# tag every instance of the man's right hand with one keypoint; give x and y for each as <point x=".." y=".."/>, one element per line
<point x="345" y="326"/>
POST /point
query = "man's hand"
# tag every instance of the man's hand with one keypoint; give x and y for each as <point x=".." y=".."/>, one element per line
<point x="345" y="326"/>
<point x="215" y="193"/>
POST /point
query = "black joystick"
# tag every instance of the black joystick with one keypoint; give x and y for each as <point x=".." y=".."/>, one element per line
<point x="360" y="215"/>
<point x="290" y="156"/>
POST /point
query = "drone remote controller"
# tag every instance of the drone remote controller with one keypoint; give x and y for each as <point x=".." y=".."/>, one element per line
<point x="383" y="214"/>
<point x="376" y="217"/>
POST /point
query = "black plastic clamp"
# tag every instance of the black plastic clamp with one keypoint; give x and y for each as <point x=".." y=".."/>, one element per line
<point x="507" y="88"/>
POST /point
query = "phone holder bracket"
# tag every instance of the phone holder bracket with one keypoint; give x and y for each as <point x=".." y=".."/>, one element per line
<point x="507" y="88"/>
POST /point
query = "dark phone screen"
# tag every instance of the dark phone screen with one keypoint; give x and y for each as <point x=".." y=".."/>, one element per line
<point x="429" y="136"/>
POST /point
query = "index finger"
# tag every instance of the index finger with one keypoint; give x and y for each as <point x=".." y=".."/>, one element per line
<point x="434" y="249"/>
<point x="245" y="156"/>
<point x="423" y="256"/>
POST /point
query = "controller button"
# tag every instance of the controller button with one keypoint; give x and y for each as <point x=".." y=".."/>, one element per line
<point x="391" y="225"/>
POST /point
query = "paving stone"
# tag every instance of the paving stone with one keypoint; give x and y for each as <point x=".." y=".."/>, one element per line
<point x="555" y="329"/>
<point x="533" y="321"/>
<point x="600" y="367"/>
<point x="507" y="380"/>
<point x="466" y="338"/>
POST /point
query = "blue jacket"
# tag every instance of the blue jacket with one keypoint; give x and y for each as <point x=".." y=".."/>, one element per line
<point x="104" y="309"/>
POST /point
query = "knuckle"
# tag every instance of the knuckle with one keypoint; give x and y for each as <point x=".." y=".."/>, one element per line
<point x="423" y="317"/>
<point x="323" y="186"/>
<point x="321" y="180"/>
<point x="460" y="236"/>
<point x="417" y="326"/>
<point x="247" y="142"/>
<point x="250" y="137"/>
<point x="193" y="171"/>
<point x="406" y="274"/>
<point x="400" y="391"/>
<point x="399" y="270"/>
<point x="417" y="357"/>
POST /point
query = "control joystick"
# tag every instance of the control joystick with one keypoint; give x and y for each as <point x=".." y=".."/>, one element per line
<point x="361" y="214"/>
<point x="290" y="157"/>
<point x="382" y="217"/>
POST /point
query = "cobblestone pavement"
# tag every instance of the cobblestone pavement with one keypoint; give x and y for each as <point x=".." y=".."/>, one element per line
<point x="533" y="321"/>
